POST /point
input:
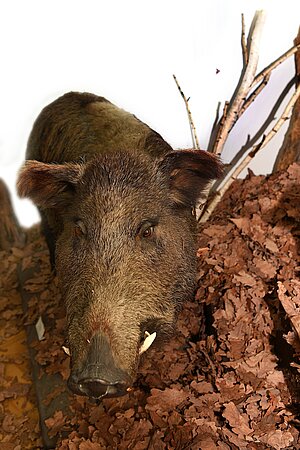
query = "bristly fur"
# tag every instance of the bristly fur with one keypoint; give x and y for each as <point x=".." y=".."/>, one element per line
<point x="115" y="202"/>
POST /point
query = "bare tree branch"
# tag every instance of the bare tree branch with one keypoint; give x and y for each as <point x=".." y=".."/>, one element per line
<point x="267" y="70"/>
<point x="214" y="128"/>
<point x="241" y="100"/>
<point x="248" y="88"/>
<point x="260" y="132"/>
<point x="222" y="124"/>
<point x="191" y="122"/>
<point x="245" y="82"/>
<point x="254" y="94"/>
<point x="246" y="158"/>
<point x="243" y="43"/>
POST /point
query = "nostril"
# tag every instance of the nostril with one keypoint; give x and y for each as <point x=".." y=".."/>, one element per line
<point x="98" y="388"/>
<point x="93" y="388"/>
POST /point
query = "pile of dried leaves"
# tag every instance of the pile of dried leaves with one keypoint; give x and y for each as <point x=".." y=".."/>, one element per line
<point x="228" y="379"/>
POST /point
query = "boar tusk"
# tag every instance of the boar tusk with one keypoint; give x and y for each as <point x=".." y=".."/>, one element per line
<point x="66" y="350"/>
<point x="147" y="342"/>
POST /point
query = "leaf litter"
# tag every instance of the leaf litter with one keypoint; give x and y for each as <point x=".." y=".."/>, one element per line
<point x="229" y="378"/>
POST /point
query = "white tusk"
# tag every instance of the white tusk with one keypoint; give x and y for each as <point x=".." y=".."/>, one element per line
<point x="147" y="342"/>
<point x="66" y="350"/>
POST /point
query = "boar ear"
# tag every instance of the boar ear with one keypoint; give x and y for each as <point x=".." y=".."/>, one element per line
<point x="189" y="172"/>
<point x="48" y="185"/>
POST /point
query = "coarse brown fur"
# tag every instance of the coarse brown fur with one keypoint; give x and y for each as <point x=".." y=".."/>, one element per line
<point x="116" y="205"/>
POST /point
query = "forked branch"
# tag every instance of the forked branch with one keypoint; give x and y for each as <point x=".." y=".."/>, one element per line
<point x="249" y="85"/>
<point x="247" y="90"/>
<point x="250" y="59"/>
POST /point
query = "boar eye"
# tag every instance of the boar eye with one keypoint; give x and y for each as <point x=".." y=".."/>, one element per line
<point x="79" y="228"/>
<point x="146" y="228"/>
<point x="148" y="232"/>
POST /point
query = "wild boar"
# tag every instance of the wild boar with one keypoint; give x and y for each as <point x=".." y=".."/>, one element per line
<point x="115" y="202"/>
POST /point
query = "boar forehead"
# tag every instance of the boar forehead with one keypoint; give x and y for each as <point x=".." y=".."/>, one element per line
<point x="130" y="184"/>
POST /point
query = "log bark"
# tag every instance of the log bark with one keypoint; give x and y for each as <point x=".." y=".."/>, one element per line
<point x="11" y="233"/>
<point x="290" y="149"/>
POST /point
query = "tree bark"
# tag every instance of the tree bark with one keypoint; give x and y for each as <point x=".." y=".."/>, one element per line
<point x="290" y="150"/>
<point x="11" y="233"/>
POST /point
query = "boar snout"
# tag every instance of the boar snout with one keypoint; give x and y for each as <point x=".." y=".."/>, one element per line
<point x="98" y="376"/>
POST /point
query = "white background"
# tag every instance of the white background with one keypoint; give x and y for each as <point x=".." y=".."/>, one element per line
<point x="127" y="52"/>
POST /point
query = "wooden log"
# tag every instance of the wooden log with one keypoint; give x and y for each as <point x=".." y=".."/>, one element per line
<point x="290" y="149"/>
<point x="11" y="233"/>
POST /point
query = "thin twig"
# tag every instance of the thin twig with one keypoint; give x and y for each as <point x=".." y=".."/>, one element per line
<point x="246" y="158"/>
<point x="222" y="122"/>
<point x="245" y="82"/>
<point x="214" y="129"/>
<point x="191" y="122"/>
<point x="267" y="70"/>
<point x="254" y="94"/>
<point x="243" y="43"/>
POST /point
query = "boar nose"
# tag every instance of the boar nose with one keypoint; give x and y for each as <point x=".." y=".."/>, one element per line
<point x="99" y="388"/>
<point x="99" y="376"/>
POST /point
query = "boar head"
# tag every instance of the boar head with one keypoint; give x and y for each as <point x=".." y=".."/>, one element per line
<point x="125" y="254"/>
